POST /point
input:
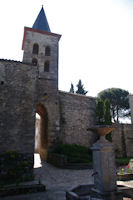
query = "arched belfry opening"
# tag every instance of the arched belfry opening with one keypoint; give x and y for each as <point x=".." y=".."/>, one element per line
<point x="35" y="49"/>
<point x="41" y="134"/>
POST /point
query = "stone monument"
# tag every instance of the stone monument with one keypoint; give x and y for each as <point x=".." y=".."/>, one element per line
<point x="105" y="177"/>
<point x="103" y="161"/>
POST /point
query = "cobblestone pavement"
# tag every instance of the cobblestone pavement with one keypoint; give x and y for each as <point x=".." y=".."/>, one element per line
<point x="57" y="181"/>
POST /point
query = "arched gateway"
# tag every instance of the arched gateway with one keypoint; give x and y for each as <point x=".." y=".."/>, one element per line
<point x="41" y="133"/>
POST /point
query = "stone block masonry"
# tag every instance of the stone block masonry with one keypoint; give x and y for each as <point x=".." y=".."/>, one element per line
<point x="77" y="113"/>
<point x="122" y="139"/>
<point x="17" y="115"/>
<point x="17" y="99"/>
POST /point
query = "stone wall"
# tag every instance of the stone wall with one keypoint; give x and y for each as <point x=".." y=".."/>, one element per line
<point x="77" y="113"/>
<point x="122" y="138"/>
<point x="17" y="99"/>
<point x="17" y="120"/>
<point x="17" y="90"/>
<point x="68" y="115"/>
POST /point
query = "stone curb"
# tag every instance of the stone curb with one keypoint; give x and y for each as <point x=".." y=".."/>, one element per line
<point x="23" y="189"/>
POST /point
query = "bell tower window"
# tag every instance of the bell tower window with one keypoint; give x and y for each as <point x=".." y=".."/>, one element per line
<point x="35" y="49"/>
<point x="34" y="61"/>
<point x="47" y="51"/>
<point x="46" y="66"/>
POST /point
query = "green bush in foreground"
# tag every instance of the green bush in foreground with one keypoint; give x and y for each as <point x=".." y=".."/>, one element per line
<point x="75" y="153"/>
<point x="122" y="161"/>
<point x="15" y="167"/>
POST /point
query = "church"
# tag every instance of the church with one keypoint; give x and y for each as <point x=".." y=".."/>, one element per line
<point x="30" y="87"/>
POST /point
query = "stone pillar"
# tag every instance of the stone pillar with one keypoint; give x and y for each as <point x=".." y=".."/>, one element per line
<point x="104" y="166"/>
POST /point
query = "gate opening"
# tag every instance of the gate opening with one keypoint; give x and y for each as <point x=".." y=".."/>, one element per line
<point x="41" y="131"/>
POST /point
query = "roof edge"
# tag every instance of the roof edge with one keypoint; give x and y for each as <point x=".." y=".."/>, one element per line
<point x="77" y="95"/>
<point x="38" y="31"/>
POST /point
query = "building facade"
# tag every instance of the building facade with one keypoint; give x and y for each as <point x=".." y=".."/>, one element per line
<point x="30" y="87"/>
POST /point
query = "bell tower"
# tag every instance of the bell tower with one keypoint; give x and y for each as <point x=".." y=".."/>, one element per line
<point x="40" y="47"/>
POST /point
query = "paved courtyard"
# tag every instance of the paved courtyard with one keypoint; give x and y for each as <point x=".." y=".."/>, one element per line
<point x="57" y="181"/>
<point x="54" y="177"/>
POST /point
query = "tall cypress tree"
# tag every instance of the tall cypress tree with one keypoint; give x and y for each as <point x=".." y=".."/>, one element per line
<point x="107" y="115"/>
<point x="71" y="89"/>
<point x="100" y="112"/>
<point x="81" y="89"/>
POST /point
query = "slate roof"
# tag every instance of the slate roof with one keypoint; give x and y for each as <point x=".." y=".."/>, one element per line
<point x="41" y="22"/>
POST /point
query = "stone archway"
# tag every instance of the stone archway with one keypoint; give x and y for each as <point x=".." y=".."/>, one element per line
<point x="42" y="133"/>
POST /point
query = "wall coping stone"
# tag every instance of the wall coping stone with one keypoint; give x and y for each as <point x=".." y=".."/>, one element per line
<point x="77" y="95"/>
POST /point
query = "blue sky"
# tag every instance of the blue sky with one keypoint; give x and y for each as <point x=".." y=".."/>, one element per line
<point x="96" y="44"/>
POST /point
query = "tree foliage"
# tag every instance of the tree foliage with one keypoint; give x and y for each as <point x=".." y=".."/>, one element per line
<point x="100" y="112"/>
<point x="103" y="112"/>
<point x="107" y="115"/>
<point x="119" y="102"/>
<point x="103" y="115"/>
<point x="80" y="88"/>
<point x="72" y="88"/>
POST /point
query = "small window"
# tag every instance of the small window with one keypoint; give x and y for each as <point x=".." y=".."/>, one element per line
<point x="34" y="61"/>
<point x="47" y="51"/>
<point x="46" y="66"/>
<point x="35" y="49"/>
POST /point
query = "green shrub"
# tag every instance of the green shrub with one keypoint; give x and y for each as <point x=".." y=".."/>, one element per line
<point x="122" y="161"/>
<point x="15" y="167"/>
<point x="75" y="153"/>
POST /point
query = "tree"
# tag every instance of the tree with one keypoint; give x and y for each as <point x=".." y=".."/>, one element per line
<point x="119" y="102"/>
<point x="81" y="89"/>
<point x="103" y="115"/>
<point x="107" y="115"/>
<point x="100" y="112"/>
<point x="72" y="88"/>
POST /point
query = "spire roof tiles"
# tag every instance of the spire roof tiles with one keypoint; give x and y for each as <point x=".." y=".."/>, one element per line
<point x="41" y="22"/>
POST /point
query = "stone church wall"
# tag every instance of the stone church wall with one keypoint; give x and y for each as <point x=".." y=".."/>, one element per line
<point x="77" y="114"/>
<point x="17" y="96"/>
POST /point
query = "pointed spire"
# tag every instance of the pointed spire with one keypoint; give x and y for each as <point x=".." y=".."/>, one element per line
<point x="41" y="22"/>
